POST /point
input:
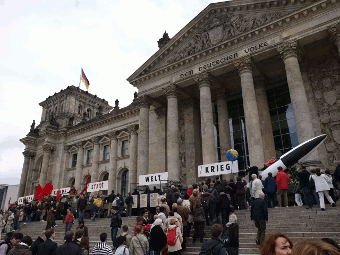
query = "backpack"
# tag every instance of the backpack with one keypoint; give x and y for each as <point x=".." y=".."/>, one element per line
<point x="171" y="238"/>
<point x="205" y="202"/>
<point x="210" y="251"/>
<point x="116" y="202"/>
<point x="225" y="236"/>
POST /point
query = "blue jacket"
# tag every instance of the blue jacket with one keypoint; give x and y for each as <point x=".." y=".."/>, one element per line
<point x="270" y="185"/>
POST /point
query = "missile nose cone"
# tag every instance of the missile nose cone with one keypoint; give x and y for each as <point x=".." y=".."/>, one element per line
<point x="300" y="151"/>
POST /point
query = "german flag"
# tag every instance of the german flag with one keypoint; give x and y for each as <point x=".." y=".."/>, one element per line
<point x="84" y="79"/>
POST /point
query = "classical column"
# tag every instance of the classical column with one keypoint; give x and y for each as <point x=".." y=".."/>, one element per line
<point x="23" y="179"/>
<point x="303" y="120"/>
<point x="65" y="164"/>
<point x="59" y="162"/>
<point x="47" y="150"/>
<point x="143" y="136"/>
<point x="334" y="30"/>
<point x="207" y="123"/>
<point x="265" y="121"/>
<point x="223" y="123"/>
<point x="79" y="166"/>
<point x="133" y="157"/>
<point x="172" y="149"/>
<point x="113" y="162"/>
<point x="251" y="114"/>
<point x="95" y="160"/>
<point x="29" y="175"/>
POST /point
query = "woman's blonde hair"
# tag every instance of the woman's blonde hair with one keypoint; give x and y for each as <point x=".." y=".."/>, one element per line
<point x="173" y="221"/>
<point x="314" y="247"/>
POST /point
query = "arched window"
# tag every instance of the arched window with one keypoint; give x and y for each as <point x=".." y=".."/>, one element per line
<point x="125" y="183"/>
<point x="80" y="109"/>
<point x="89" y="113"/>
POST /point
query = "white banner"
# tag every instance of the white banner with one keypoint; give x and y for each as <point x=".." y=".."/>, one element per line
<point x="226" y="167"/>
<point x="63" y="192"/>
<point x="143" y="200"/>
<point x="28" y="199"/>
<point x="96" y="186"/>
<point x="152" y="179"/>
<point x="153" y="199"/>
<point x="135" y="200"/>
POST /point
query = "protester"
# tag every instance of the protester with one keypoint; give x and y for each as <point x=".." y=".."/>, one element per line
<point x="116" y="223"/>
<point x="277" y="244"/>
<point x="139" y="223"/>
<point x="225" y="207"/>
<point x="83" y="227"/>
<point x="205" y="204"/>
<point x="282" y="186"/>
<point x="174" y="238"/>
<point x="77" y="236"/>
<point x="69" y="247"/>
<point x="9" y="221"/>
<point x="184" y="213"/>
<point x="112" y="197"/>
<point x="2" y="225"/>
<point x="139" y="243"/>
<point x="161" y="214"/>
<point x="270" y="189"/>
<point x="329" y="180"/>
<point x="48" y="247"/>
<point x="35" y="246"/>
<point x="129" y="202"/>
<point x="81" y="206"/>
<point x="312" y="188"/>
<point x="6" y="245"/>
<point x="22" y="245"/>
<point x="214" y="246"/>
<point x="125" y="229"/>
<point x="322" y="188"/>
<point x="314" y="247"/>
<point x="240" y="193"/>
<point x="50" y="219"/>
<point x="212" y="208"/>
<point x="231" y="230"/>
<point x="304" y="186"/>
<point x="122" y="248"/>
<point x="198" y="213"/>
<point x="68" y="220"/>
<point x="336" y="175"/>
<point x="259" y="214"/>
<point x="98" y="202"/>
<point x="256" y="186"/>
<point x="157" y="238"/>
<point x="165" y="206"/>
<point x="85" y="245"/>
<point x="102" y="247"/>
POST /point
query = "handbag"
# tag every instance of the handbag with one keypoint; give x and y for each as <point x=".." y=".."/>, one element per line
<point x="145" y="252"/>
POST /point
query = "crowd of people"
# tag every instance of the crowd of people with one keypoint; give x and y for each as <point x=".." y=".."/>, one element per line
<point x="167" y="231"/>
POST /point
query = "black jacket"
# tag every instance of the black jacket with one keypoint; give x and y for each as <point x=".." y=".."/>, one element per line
<point x="337" y="174"/>
<point x="304" y="178"/>
<point x="157" y="238"/>
<point x="112" y="197"/>
<point x="129" y="200"/>
<point x="232" y="230"/>
<point x="259" y="210"/>
<point x="82" y="204"/>
<point x="216" y="245"/>
<point x="69" y="248"/>
<point x="219" y="187"/>
<point x="116" y="220"/>
<point x="47" y="248"/>
<point x="224" y="201"/>
<point x="35" y="245"/>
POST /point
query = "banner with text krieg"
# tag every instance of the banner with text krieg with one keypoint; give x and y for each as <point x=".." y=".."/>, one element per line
<point x="226" y="167"/>
<point x="96" y="186"/>
<point x="152" y="179"/>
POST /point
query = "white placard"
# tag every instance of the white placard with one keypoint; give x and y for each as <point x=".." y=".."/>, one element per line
<point x="143" y="200"/>
<point x="63" y="192"/>
<point x="28" y="199"/>
<point x="152" y="179"/>
<point x="226" y="167"/>
<point x="96" y="186"/>
<point x="153" y="199"/>
<point x="135" y="198"/>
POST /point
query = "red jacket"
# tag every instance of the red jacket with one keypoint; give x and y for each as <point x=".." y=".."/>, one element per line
<point x="189" y="192"/>
<point x="69" y="218"/>
<point x="282" y="180"/>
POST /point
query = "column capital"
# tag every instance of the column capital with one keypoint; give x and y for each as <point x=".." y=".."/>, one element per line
<point x="67" y="147"/>
<point x="79" y="145"/>
<point x="288" y="49"/>
<point x="48" y="148"/>
<point x="96" y="140"/>
<point x="171" y="91"/>
<point x="112" y="135"/>
<point x="160" y="111"/>
<point x="27" y="154"/>
<point x="244" y="65"/>
<point x="203" y="80"/>
<point x="334" y="30"/>
<point x="144" y="101"/>
<point x="132" y="130"/>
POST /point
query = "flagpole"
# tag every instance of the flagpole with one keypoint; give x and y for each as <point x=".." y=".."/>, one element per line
<point x="80" y="77"/>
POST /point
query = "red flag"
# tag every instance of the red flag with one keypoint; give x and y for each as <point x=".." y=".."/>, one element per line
<point x="85" y="188"/>
<point x="38" y="193"/>
<point x="58" y="198"/>
<point x="47" y="189"/>
<point x="9" y="201"/>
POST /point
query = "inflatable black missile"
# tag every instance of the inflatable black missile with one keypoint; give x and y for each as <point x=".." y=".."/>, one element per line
<point x="295" y="155"/>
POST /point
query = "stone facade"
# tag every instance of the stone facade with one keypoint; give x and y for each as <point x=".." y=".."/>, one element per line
<point x="259" y="76"/>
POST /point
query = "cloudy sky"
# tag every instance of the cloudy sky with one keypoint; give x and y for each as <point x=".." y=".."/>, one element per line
<point x="44" y="43"/>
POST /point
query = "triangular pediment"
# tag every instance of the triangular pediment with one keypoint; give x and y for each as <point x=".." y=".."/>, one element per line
<point x="73" y="149"/>
<point x="217" y="24"/>
<point x="123" y="134"/>
<point x="88" y="145"/>
<point x="104" y="140"/>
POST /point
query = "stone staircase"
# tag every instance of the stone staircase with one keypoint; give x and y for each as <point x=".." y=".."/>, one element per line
<point x="297" y="222"/>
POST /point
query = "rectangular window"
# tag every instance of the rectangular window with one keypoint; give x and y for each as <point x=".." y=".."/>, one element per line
<point x="89" y="157"/>
<point x="125" y="148"/>
<point x="74" y="160"/>
<point x="106" y="152"/>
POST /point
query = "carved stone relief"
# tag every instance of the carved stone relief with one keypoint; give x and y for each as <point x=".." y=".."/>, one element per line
<point x="325" y="79"/>
<point x="221" y="28"/>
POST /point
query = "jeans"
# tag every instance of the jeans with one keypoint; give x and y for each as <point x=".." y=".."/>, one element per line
<point x="8" y="228"/>
<point x="316" y="197"/>
<point x="68" y="227"/>
<point x="16" y="224"/>
<point x="212" y="218"/>
<point x="298" y="199"/>
<point x="225" y="212"/>
<point x="198" y="230"/>
<point x="81" y="214"/>
<point x="188" y="229"/>
<point x="185" y="229"/>
<point x="281" y="192"/>
<point x="28" y="218"/>
<point x="206" y="215"/>
<point x="94" y="216"/>
<point x="38" y="215"/>
<point x="217" y="218"/>
<point x="271" y="200"/>
<point x="261" y="230"/>
<point x="114" y="231"/>
<point x="128" y="210"/>
<point x="156" y="252"/>
<point x="307" y="197"/>
<point x="241" y="202"/>
<point x="322" y="195"/>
